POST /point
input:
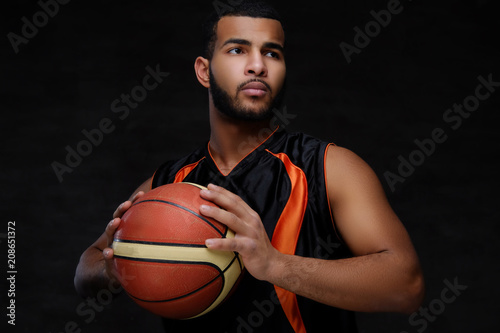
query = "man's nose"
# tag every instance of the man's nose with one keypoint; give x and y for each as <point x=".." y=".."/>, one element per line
<point x="256" y="65"/>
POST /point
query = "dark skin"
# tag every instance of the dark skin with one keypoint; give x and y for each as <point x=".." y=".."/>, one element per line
<point x="383" y="275"/>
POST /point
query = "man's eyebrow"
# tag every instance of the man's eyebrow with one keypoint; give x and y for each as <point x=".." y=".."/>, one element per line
<point x="237" y="41"/>
<point x="268" y="45"/>
<point x="276" y="46"/>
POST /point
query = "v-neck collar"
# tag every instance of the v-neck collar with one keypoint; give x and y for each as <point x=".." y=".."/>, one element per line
<point x="273" y="137"/>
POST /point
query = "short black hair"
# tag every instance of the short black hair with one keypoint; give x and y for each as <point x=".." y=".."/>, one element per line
<point x="248" y="8"/>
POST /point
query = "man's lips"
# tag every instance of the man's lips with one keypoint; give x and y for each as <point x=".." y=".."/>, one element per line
<point x="255" y="88"/>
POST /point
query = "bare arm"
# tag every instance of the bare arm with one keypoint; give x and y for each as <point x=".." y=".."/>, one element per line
<point x="94" y="271"/>
<point x="384" y="275"/>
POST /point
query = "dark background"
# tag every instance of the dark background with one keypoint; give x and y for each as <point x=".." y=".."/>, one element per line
<point x="395" y="91"/>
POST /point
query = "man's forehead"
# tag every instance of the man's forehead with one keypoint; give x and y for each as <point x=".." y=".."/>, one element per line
<point x="249" y="28"/>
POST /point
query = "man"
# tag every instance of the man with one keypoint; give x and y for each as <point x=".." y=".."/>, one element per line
<point x="315" y="231"/>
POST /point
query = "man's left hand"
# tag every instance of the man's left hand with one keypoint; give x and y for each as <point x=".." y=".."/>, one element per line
<point x="250" y="241"/>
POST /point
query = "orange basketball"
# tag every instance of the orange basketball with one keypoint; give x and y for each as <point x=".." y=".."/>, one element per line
<point x="160" y="254"/>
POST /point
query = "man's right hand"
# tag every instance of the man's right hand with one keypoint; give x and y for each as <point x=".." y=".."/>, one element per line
<point x="96" y="270"/>
<point x="110" y="234"/>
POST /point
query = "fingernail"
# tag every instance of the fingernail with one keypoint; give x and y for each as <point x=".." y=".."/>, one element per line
<point x="209" y="242"/>
<point x="205" y="191"/>
<point x="106" y="252"/>
<point x="204" y="208"/>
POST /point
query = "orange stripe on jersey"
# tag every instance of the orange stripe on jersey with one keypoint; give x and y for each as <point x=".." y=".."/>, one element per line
<point x="182" y="173"/>
<point x="286" y="235"/>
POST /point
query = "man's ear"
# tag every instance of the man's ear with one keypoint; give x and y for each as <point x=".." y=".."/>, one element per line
<point x="202" y="70"/>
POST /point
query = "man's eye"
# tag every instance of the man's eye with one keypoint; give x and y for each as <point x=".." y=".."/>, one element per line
<point x="272" y="54"/>
<point x="235" y="51"/>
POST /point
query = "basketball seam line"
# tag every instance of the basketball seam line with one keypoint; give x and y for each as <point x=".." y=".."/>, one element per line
<point x="221" y="274"/>
<point x="158" y="243"/>
<point x="173" y="261"/>
<point x="183" y="208"/>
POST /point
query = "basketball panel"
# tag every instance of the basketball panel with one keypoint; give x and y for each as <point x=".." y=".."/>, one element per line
<point x="231" y="277"/>
<point x="153" y="281"/>
<point x="187" y="306"/>
<point x="159" y="222"/>
<point x="182" y="194"/>
<point x="172" y="252"/>
<point x="160" y="244"/>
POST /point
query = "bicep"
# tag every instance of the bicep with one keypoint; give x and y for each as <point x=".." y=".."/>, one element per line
<point x="360" y="208"/>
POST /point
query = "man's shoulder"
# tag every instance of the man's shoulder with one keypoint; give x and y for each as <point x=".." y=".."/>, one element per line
<point x="342" y="158"/>
<point x="345" y="168"/>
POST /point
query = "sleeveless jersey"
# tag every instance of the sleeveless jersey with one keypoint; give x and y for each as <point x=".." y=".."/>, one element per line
<point x="283" y="180"/>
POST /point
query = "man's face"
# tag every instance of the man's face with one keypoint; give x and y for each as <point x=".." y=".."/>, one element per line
<point x="247" y="70"/>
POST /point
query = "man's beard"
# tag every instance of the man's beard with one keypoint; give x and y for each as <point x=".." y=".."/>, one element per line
<point x="233" y="108"/>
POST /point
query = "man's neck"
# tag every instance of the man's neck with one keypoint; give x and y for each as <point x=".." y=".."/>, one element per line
<point x="231" y="140"/>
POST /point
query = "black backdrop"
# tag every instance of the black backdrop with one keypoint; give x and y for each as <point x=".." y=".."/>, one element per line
<point x="66" y="75"/>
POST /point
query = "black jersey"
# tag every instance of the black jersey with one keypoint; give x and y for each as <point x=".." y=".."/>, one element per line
<point x="283" y="180"/>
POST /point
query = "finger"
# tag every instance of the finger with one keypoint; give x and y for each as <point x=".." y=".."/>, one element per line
<point x="108" y="253"/>
<point x="239" y="244"/>
<point x="137" y="196"/>
<point x="124" y="206"/>
<point x="221" y="244"/>
<point x="223" y="216"/>
<point x="111" y="229"/>
<point x="110" y="271"/>
<point x="226" y="199"/>
<point x="241" y="203"/>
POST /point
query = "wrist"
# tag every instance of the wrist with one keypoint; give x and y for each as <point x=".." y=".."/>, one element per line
<point x="277" y="268"/>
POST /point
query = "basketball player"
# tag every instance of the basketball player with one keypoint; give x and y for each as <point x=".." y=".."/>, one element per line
<point x="317" y="236"/>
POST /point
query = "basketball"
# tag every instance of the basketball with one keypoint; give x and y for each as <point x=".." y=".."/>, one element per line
<point x="161" y="257"/>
